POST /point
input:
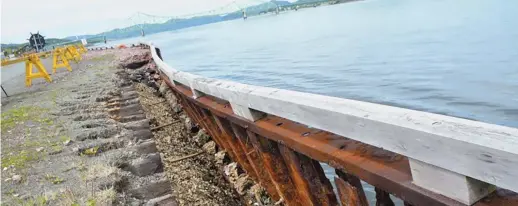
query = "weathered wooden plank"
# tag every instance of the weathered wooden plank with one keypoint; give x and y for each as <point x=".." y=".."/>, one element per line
<point x="224" y="126"/>
<point x="256" y="162"/>
<point x="384" y="169"/>
<point x="314" y="189"/>
<point x="383" y="198"/>
<point x="376" y="170"/>
<point x="207" y="122"/>
<point x="206" y="117"/>
<point x="198" y="118"/>
<point x="210" y="118"/>
<point x="323" y="186"/>
<point x="275" y="166"/>
<point x="354" y="182"/>
<point x="475" y="149"/>
<point x="347" y="193"/>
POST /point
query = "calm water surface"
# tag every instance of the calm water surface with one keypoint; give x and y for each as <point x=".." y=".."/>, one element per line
<point x="451" y="57"/>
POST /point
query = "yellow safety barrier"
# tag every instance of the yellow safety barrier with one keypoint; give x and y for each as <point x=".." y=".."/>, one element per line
<point x="81" y="48"/>
<point x="6" y="62"/>
<point x="34" y="59"/>
<point x="72" y="54"/>
<point x="75" y="51"/>
<point x="59" y="60"/>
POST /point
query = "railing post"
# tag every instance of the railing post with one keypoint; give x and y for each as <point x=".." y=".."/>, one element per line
<point x="233" y="142"/>
<point x="309" y="178"/>
<point x="307" y="174"/>
<point x="276" y="167"/>
<point x="347" y="193"/>
<point x="350" y="189"/>
<point x="257" y="164"/>
<point x="383" y="198"/>
<point x="207" y="121"/>
<point x="450" y="184"/>
<point x="277" y="172"/>
<point x="200" y="119"/>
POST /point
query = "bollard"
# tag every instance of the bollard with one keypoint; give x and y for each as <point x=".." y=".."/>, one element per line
<point x="60" y="61"/>
<point x="35" y="60"/>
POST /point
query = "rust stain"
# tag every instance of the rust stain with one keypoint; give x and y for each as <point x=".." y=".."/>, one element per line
<point x="256" y="162"/>
<point x="348" y="194"/>
<point x="387" y="171"/>
<point x="355" y="183"/>
<point x="241" y="158"/>
<point x="275" y="166"/>
<point x="309" y="178"/>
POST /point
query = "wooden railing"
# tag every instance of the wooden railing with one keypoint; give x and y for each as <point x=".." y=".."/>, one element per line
<point x="279" y="137"/>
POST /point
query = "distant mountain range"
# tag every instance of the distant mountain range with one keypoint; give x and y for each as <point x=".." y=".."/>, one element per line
<point x="174" y="24"/>
<point x="49" y="41"/>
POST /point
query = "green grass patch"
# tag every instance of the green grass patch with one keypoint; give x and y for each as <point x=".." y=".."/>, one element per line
<point x="91" y="151"/>
<point x="37" y="201"/>
<point x="56" y="148"/>
<point x="64" y="138"/>
<point x="20" y="115"/>
<point x="54" y="179"/>
<point x="19" y="160"/>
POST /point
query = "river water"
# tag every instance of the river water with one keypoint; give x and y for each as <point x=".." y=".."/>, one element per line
<point x="458" y="58"/>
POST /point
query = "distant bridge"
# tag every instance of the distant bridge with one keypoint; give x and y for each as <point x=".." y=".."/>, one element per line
<point x="141" y="21"/>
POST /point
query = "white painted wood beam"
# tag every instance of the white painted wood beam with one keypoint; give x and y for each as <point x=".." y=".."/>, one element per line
<point x="485" y="152"/>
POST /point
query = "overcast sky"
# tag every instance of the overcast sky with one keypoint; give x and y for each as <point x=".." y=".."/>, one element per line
<point x="61" y="18"/>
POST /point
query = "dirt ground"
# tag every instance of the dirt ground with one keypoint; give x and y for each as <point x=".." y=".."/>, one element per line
<point x="90" y="138"/>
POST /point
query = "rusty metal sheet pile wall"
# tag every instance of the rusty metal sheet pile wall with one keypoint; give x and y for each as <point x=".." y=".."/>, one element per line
<point x="284" y="155"/>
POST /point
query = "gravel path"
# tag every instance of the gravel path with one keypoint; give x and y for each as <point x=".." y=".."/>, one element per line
<point x="82" y="139"/>
<point x="91" y="137"/>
